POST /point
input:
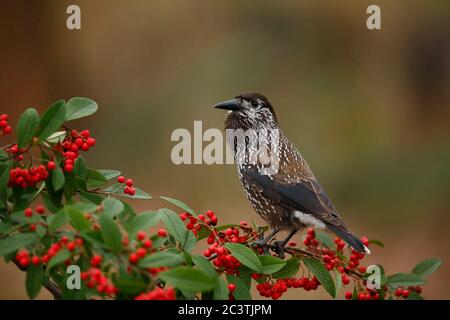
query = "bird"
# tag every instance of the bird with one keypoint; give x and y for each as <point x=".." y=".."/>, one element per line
<point x="290" y="198"/>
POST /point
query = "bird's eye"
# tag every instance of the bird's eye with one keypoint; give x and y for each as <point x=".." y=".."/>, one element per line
<point x="254" y="103"/>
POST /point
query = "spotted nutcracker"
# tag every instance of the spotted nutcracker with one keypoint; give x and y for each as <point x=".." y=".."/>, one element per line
<point x="290" y="198"/>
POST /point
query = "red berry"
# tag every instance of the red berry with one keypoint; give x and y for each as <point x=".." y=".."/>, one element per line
<point x="141" y="252"/>
<point x="183" y="216"/>
<point x="96" y="260"/>
<point x="210" y="214"/>
<point x="91" y="142"/>
<point x="348" y="295"/>
<point x="28" y="212"/>
<point x="85" y="134"/>
<point x="345" y="280"/>
<point x="40" y="209"/>
<point x="141" y="235"/>
<point x="133" y="258"/>
<point x="51" y="165"/>
<point x="35" y="260"/>
<point x="405" y="294"/>
<point x="131" y="191"/>
<point x="231" y="287"/>
<point x="148" y="243"/>
<point x="71" y="246"/>
<point x="129" y="182"/>
<point x="121" y="179"/>
<point x="365" y="241"/>
<point x="33" y="227"/>
<point x="399" y="292"/>
<point x="201" y="217"/>
<point x="24" y="262"/>
<point x="162" y="233"/>
<point x="68" y="168"/>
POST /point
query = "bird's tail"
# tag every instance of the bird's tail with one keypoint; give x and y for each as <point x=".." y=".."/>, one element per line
<point x="350" y="238"/>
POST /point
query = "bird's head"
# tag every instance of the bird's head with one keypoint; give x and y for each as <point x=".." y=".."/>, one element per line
<point x="249" y="111"/>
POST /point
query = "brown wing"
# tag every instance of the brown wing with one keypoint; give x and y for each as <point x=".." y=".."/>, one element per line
<point x="305" y="195"/>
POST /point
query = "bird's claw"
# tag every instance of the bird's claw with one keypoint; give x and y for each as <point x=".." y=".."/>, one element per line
<point x="261" y="244"/>
<point x="278" y="247"/>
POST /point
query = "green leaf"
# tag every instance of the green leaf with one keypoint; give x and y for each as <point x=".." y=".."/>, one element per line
<point x="179" y="204"/>
<point x="95" y="178"/>
<point x="426" y="267"/>
<point x="220" y="290"/>
<point x="77" y="218"/>
<point x="26" y="127"/>
<point x="174" y="225"/>
<point x="414" y="296"/>
<point x="205" y="266"/>
<point x="80" y="168"/>
<point x="91" y="197"/>
<point x="130" y="286"/>
<point x="161" y="259"/>
<point x="58" y="178"/>
<point x="110" y="233"/>
<point x="190" y="241"/>
<point x="271" y="264"/>
<point x="56" y="137"/>
<point x="377" y="243"/>
<point x="16" y="242"/>
<point x="404" y="280"/>
<point x="3" y="155"/>
<point x="79" y="107"/>
<point x="109" y="174"/>
<point x="338" y="282"/>
<point x="52" y="119"/>
<point x="57" y="220"/>
<point x="245" y="255"/>
<point x="33" y="282"/>
<point x="325" y="239"/>
<point x="58" y="259"/>
<point x="289" y="270"/>
<point x="143" y="221"/>
<point x="322" y="274"/>
<point x="242" y="291"/>
<point x="112" y="207"/>
<point x="5" y="169"/>
<point x="186" y="278"/>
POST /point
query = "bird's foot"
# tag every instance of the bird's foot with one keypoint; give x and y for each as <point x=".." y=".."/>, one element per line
<point x="261" y="244"/>
<point x="278" y="247"/>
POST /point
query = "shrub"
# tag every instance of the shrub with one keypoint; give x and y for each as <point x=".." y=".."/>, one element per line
<point x="55" y="211"/>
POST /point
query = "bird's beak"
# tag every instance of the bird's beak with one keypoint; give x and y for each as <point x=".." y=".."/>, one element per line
<point x="232" y="105"/>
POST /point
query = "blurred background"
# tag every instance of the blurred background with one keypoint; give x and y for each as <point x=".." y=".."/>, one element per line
<point x="369" y="110"/>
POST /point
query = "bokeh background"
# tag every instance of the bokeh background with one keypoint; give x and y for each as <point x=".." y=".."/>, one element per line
<point x="369" y="110"/>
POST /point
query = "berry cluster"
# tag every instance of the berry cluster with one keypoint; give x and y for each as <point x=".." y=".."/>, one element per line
<point x="195" y="225"/>
<point x="27" y="177"/>
<point x="5" y="128"/>
<point x="275" y="290"/>
<point x="95" y="278"/>
<point x="28" y="212"/>
<point x="404" y="293"/>
<point x="129" y="189"/>
<point x="73" y="144"/>
<point x="144" y="246"/>
<point x="15" y="152"/>
<point x="157" y="294"/>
